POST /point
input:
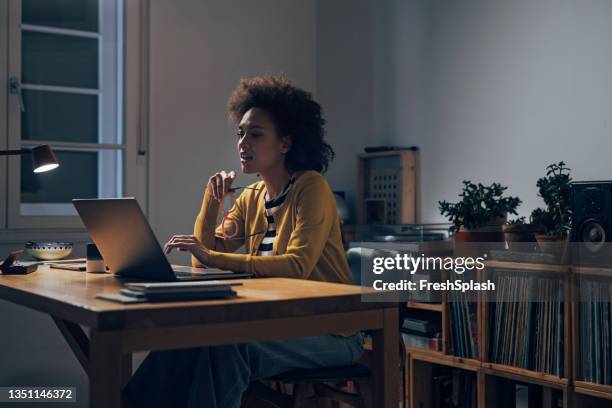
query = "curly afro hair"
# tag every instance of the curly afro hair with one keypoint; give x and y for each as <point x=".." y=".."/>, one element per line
<point x="294" y="112"/>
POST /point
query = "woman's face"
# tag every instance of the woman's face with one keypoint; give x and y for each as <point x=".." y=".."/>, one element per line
<point x="260" y="147"/>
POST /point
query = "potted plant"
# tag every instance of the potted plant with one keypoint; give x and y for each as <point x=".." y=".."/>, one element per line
<point x="478" y="216"/>
<point x="554" y="220"/>
<point x="517" y="232"/>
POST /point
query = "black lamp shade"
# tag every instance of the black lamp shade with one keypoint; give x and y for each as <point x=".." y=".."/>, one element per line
<point x="43" y="159"/>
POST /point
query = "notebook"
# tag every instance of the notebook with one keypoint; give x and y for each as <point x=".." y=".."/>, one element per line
<point x="172" y="291"/>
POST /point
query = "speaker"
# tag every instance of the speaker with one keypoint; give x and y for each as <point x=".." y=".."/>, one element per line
<point x="591" y="236"/>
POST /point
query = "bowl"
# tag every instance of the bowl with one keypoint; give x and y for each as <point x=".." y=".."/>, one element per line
<point x="49" y="251"/>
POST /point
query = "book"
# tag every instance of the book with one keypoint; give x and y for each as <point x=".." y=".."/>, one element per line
<point x="430" y="343"/>
<point x="121" y="297"/>
<point x="81" y="267"/>
<point x="422" y="326"/>
<point x="181" y="287"/>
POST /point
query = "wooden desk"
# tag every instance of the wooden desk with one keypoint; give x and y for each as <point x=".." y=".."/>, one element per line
<point x="265" y="309"/>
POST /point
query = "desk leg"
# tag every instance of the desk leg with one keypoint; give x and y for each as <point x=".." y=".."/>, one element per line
<point x="126" y="375"/>
<point x="385" y="361"/>
<point x="107" y="370"/>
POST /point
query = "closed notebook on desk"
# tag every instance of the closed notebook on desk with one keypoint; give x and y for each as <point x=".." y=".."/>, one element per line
<point x="180" y="287"/>
<point x="166" y="297"/>
<point x="81" y="267"/>
<point x="121" y="298"/>
<point x="172" y="291"/>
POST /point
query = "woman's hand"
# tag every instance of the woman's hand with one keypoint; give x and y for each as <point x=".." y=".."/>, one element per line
<point x="188" y="243"/>
<point x="220" y="183"/>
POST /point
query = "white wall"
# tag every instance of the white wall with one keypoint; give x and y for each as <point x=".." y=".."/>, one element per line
<point x="344" y="69"/>
<point x="496" y="90"/>
<point x="200" y="49"/>
<point x="490" y="90"/>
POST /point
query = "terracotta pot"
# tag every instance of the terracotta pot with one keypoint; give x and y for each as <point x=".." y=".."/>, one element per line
<point x="554" y="245"/>
<point x="478" y="241"/>
<point x="517" y="235"/>
<point x="478" y="235"/>
<point x="492" y="232"/>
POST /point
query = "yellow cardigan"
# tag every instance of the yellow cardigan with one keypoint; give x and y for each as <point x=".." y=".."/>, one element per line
<point x="308" y="244"/>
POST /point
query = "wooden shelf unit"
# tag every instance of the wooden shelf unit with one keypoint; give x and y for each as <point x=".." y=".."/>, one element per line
<point x="582" y="387"/>
<point x="418" y="360"/>
<point x="592" y="389"/>
<point x="525" y="375"/>
<point x="432" y="307"/>
<point x="434" y="357"/>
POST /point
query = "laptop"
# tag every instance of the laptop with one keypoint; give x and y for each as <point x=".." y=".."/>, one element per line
<point x="126" y="241"/>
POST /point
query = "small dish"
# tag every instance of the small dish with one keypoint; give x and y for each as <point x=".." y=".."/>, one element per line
<point x="49" y="251"/>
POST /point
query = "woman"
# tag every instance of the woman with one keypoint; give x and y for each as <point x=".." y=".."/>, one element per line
<point x="289" y="225"/>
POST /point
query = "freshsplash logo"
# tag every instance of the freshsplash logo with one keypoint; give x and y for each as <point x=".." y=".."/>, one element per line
<point x="403" y="273"/>
<point x="422" y="263"/>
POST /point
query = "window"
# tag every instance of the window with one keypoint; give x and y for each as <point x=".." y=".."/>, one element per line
<point x="66" y="89"/>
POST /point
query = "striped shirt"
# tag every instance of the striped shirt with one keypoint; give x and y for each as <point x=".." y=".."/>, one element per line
<point x="271" y="206"/>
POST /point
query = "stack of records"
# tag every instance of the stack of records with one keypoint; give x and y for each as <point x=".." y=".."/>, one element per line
<point x="526" y="321"/>
<point x="463" y="324"/>
<point x="595" y="331"/>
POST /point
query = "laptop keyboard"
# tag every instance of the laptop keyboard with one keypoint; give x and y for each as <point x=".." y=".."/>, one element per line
<point x="187" y="271"/>
<point x="183" y="273"/>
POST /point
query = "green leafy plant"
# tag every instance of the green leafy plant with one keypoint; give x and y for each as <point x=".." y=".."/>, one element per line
<point x="517" y="221"/>
<point x="479" y="205"/>
<point x="555" y="219"/>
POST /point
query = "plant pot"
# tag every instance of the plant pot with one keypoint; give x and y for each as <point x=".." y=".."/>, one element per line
<point x="518" y="236"/>
<point x="554" y="244"/>
<point x="492" y="232"/>
<point x="479" y="235"/>
<point x="479" y="241"/>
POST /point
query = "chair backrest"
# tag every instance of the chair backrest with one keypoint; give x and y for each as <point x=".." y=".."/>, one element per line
<point x="353" y="256"/>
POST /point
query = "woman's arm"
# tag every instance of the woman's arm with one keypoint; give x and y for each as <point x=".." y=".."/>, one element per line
<point x="316" y="214"/>
<point x="211" y="237"/>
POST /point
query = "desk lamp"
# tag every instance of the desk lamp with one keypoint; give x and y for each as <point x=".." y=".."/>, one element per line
<point x="42" y="157"/>
<point x="43" y="160"/>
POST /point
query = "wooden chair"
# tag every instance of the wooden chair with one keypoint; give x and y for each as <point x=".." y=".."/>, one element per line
<point x="310" y="386"/>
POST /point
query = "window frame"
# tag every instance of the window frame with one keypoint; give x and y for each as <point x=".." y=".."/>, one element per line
<point x="3" y="112"/>
<point x="134" y="163"/>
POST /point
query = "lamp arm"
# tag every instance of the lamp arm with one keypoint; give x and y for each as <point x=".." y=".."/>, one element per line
<point x="14" y="152"/>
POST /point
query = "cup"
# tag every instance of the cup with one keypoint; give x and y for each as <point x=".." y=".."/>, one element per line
<point x="94" y="263"/>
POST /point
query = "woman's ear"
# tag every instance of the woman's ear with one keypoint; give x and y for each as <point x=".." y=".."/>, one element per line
<point x="286" y="144"/>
